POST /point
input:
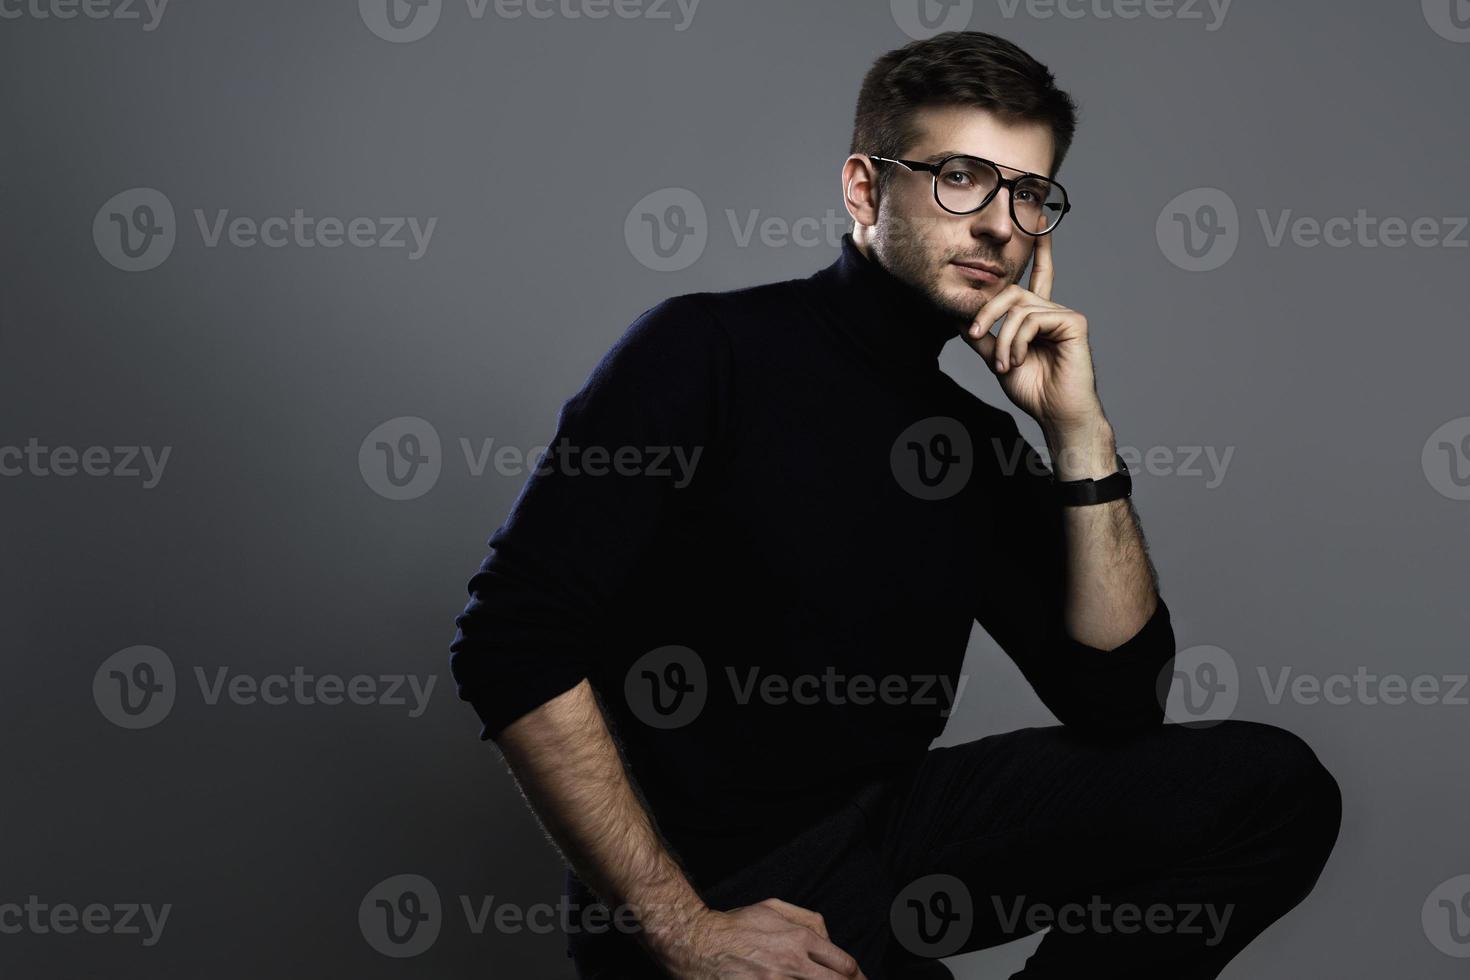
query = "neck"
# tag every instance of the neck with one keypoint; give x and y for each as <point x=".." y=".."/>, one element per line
<point x="899" y="326"/>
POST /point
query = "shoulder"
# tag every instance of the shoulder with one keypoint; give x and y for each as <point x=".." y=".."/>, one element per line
<point x="737" y="318"/>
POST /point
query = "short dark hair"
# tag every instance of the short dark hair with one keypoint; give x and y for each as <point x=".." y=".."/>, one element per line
<point x="956" y="68"/>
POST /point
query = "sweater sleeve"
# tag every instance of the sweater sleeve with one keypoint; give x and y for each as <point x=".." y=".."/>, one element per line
<point x="1023" y="610"/>
<point x="646" y="422"/>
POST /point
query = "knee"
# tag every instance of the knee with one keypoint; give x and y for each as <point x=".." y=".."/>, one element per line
<point x="1306" y="802"/>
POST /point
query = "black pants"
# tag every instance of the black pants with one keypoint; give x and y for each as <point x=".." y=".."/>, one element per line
<point x="1160" y="853"/>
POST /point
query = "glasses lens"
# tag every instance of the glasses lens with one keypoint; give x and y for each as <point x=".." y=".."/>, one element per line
<point x="1038" y="204"/>
<point x="965" y="182"/>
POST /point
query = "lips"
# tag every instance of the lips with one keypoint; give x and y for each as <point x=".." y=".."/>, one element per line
<point x="994" y="270"/>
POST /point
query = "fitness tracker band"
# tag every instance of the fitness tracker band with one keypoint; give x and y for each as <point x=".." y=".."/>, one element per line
<point x="1082" y="493"/>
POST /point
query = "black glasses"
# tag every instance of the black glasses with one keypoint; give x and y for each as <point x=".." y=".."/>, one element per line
<point x="965" y="184"/>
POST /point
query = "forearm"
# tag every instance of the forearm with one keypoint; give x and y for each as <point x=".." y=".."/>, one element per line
<point x="1111" y="584"/>
<point x="571" y="772"/>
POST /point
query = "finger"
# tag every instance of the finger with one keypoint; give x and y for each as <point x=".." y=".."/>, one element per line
<point x="1021" y="346"/>
<point x="834" y="959"/>
<point x="994" y="309"/>
<point x="985" y="347"/>
<point x="802" y="917"/>
<point x="1042" y="268"/>
<point x="1048" y="323"/>
<point x="1006" y="337"/>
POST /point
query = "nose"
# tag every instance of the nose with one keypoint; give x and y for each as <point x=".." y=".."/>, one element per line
<point x="994" y="220"/>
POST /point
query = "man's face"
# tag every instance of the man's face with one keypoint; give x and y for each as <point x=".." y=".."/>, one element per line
<point x="922" y="244"/>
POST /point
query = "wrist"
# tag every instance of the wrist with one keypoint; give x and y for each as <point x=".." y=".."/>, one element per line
<point x="668" y="931"/>
<point x="1081" y="451"/>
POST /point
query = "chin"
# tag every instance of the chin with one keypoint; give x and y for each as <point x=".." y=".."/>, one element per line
<point x="964" y="301"/>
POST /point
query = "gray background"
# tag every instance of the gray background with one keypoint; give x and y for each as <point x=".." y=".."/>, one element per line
<point x="1329" y="546"/>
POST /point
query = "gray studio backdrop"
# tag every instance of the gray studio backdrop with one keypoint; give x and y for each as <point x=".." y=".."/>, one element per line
<point x="282" y="280"/>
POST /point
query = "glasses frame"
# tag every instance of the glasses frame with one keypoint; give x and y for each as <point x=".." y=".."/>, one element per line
<point x="1001" y="180"/>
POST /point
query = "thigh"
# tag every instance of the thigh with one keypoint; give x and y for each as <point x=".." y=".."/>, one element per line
<point x="1041" y="816"/>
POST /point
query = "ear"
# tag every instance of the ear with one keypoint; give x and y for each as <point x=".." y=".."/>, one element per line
<point x="860" y="189"/>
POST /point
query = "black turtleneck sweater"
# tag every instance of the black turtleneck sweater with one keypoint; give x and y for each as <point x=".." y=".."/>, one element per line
<point x="833" y="542"/>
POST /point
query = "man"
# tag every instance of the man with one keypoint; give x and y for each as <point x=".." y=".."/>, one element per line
<point x="756" y="549"/>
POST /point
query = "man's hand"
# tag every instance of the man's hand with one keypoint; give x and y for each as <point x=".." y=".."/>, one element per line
<point x="1040" y="355"/>
<point x="768" y="939"/>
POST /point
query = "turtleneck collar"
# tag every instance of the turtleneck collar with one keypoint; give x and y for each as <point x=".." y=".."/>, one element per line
<point x="892" y="321"/>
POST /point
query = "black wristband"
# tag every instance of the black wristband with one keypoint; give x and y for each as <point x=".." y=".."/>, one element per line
<point x="1082" y="493"/>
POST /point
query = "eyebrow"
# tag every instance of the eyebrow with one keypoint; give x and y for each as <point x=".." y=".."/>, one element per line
<point x="940" y="155"/>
